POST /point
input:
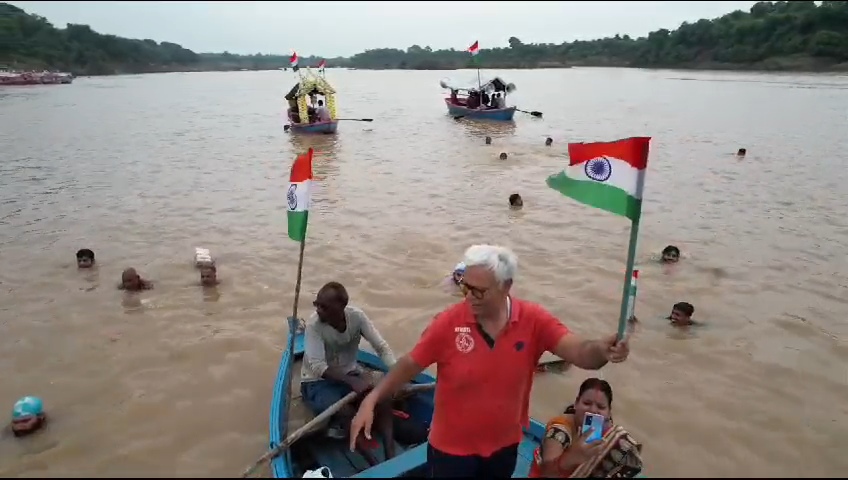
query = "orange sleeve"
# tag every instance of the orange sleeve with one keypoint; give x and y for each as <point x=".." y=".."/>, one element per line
<point x="549" y="330"/>
<point x="431" y="346"/>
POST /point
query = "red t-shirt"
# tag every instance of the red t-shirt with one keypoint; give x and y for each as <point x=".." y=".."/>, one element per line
<point x="483" y="393"/>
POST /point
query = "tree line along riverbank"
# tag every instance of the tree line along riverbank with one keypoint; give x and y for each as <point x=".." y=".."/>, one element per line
<point x="778" y="36"/>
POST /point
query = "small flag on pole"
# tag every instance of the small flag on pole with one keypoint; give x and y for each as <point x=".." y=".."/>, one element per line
<point x="606" y="175"/>
<point x="474" y="49"/>
<point x="322" y="64"/>
<point x="298" y="196"/>
<point x="293" y="61"/>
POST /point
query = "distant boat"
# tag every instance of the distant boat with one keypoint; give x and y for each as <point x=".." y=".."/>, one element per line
<point x="457" y="102"/>
<point x="34" y="78"/>
<point x="310" y="85"/>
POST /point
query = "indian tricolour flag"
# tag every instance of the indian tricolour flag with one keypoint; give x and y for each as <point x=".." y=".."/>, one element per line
<point x="474" y="49"/>
<point x="293" y="60"/>
<point x="322" y="64"/>
<point x="298" y="195"/>
<point x="606" y="175"/>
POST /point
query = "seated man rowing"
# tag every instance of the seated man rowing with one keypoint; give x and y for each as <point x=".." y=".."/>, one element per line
<point x="330" y="370"/>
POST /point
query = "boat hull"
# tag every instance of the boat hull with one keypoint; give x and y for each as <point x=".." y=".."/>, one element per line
<point x="312" y="128"/>
<point x="413" y="460"/>
<point x="494" y="114"/>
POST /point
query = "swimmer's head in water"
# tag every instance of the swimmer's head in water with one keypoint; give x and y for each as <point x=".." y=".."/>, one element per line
<point x="670" y="254"/>
<point x="741" y="152"/>
<point x="681" y="313"/>
<point x="208" y="275"/>
<point x="85" y="258"/>
<point x="131" y="280"/>
<point x="503" y="156"/>
<point x="515" y="201"/>
<point x="549" y="141"/>
<point x="458" y="272"/>
<point x="27" y="416"/>
<point x="488" y="140"/>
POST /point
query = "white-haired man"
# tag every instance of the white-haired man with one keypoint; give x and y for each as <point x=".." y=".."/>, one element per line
<point x="485" y="349"/>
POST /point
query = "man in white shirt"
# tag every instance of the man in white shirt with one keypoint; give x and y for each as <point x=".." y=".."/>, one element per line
<point x="322" y="112"/>
<point x="330" y="370"/>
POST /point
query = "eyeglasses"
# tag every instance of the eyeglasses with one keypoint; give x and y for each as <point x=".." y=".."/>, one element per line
<point x="476" y="292"/>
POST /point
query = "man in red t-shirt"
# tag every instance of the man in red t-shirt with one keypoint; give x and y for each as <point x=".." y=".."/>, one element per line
<point x="485" y="350"/>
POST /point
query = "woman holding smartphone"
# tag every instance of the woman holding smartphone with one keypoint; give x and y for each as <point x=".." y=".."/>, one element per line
<point x="573" y="447"/>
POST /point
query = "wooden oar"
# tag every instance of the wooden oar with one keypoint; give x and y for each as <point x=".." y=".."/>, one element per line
<point x="534" y="112"/>
<point x="312" y="424"/>
<point x="356" y="119"/>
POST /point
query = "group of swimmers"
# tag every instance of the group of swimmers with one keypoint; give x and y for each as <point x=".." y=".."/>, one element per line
<point x="28" y="414"/>
<point x="131" y="281"/>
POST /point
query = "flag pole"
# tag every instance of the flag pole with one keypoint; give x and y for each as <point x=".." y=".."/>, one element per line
<point x="628" y="281"/>
<point x="294" y="323"/>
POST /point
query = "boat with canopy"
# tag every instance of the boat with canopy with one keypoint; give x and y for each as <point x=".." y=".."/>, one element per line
<point x="485" y="101"/>
<point x="302" y="114"/>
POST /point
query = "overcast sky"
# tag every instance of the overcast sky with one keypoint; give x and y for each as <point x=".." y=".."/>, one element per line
<point x="344" y="28"/>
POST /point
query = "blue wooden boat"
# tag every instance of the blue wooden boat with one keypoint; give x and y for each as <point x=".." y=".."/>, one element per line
<point x="457" y="101"/>
<point x="319" y="450"/>
<point x="317" y="127"/>
<point x="495" y="114"/>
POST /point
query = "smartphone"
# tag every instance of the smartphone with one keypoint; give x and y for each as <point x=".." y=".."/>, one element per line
<point x="594" y="422"/>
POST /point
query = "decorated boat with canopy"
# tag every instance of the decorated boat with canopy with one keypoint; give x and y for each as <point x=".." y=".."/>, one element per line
<point x="303" y="114"/>
<point x="486" y="101"/>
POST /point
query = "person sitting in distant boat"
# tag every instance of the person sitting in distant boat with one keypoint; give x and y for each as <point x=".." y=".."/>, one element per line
<point x="498" y="101"/>
<point x="330" y="370"/>
<point x="515" y="201"/>
<point x="670" y="254"/>
<point x="131" y="281"/>
<point x="454" y="99"/>
<point x="85" y="258"/>
<point x="322" y="112"/>
<point x="565" y="452"/>
<point x="681" y="315"/>
<point x="485" y="99"/>
<point x="473" y="100"/>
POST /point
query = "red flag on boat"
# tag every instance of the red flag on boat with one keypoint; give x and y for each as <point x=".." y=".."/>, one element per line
<point x="293" y="59"/>
<point x="474" y="48"/>
<point x="322" y="64"/>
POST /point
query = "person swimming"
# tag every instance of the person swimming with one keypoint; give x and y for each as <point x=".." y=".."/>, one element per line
<point x="670" y="254"/>
<point x="453" y="281"/>
<point x="515" y="201"/>
<point x="28" y="416"/>
<point x="681" y="315"/>
<point x="85" y="258"/>
<point x="131" y="281"/>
